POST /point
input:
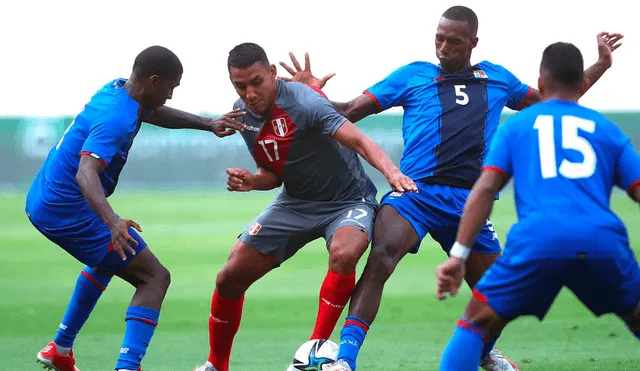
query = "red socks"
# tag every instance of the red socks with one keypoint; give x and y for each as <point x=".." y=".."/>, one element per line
<point x="224" y="323"/>
<point x="334" y="296"/>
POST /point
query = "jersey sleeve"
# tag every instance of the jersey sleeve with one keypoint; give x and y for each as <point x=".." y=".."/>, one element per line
<point x="319" y="113"/>
<point x="499" y="156"/>
<point x="628" y="168"/>
<point x="518" y="91"/>
<point x="104" y="141"/>
<point x="392" y="91"/>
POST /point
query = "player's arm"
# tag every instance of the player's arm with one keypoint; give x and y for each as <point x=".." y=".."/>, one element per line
<point x="495" y="174"/>
<point x="607" y="43"/>
<point x="172" y="118"/>
<point x="242" y="180"/>
<point x="349" y="135"/>
<point x="384" y="95"/>
<point x="628" y="169"/>
<point x="89" y="181"/>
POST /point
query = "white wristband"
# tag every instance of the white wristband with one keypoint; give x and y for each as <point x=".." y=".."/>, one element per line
<point x="460" y="251"/>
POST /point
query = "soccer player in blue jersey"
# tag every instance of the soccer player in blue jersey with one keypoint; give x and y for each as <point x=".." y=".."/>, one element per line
<point x="67" y="202"/>
<point x="565" y="159"/>
<point x="451" y="111"/>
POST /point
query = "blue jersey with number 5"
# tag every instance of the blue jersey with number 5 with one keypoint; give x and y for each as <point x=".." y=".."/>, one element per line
<point x="105" y="130"/>
<point x="448" y="118"/>
<point x="565" y="160"/>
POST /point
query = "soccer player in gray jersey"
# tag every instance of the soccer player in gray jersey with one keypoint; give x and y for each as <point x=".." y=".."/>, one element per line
<point x="297" y="138"/>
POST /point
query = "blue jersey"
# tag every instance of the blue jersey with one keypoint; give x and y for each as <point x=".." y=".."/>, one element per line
<point x="565" y="160"/>
<point x="105" y="130"/>
<point x="448" y="118"/>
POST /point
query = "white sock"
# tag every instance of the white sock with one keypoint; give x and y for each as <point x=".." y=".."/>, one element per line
<point x="62" y="350"/>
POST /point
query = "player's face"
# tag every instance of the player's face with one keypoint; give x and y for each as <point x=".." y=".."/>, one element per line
<point x="159" y="90"/>
<point x="256" y="86"/>
<point x="454" y="43"/>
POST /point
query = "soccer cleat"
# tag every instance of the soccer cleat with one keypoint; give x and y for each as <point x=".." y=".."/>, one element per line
<point x="339" y="365"/>
<point x="52" y="360"/>
<point x="496" y="361"/>
<point x="206" y="367"/>
<point x="139" y="369"/>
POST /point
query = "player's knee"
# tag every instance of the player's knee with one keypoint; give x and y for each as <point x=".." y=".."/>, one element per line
<point x="228" y="285"/>
<point x="161" y="278"/>
<point x="382" y="261"/>
<point x="344" y="255"/>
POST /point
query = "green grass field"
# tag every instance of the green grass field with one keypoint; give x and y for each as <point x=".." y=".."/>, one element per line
<point x="192" y="233"/>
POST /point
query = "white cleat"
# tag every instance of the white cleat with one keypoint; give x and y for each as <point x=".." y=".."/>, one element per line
<point x="496" y="361"/>
<point x="339" y="365"/>
<point x="206" y="367"/>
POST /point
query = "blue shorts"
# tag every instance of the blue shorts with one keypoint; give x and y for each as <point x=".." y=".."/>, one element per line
<point x="436" y="210"/>
<point x="518" y="286"/>
<point x="89" y="241"/>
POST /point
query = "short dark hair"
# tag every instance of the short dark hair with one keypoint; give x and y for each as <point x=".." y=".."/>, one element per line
<point x="462" y="14"/>
<point x="563" y="62"/>
<point x="158" y="60"/>
<point x="246" y="55"/>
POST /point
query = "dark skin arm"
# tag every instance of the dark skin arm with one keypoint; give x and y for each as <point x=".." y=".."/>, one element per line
<point x="172" y="118"/>
<point x="476" y="212"/>
<point x="354" y="110"/>
<point x="607" y="43"/>
<point x="89" y="182"/>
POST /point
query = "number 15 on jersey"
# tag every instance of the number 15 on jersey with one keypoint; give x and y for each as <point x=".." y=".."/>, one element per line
<point x="570" y="140"/>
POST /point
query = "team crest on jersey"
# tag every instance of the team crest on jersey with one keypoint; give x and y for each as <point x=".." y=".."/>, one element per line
<point x="479" y="74"/>
<point x="255" y="228"/>
<point x="280" y="127"/>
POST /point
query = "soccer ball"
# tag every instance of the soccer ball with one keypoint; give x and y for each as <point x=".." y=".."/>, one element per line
<point x="313" y="354"/>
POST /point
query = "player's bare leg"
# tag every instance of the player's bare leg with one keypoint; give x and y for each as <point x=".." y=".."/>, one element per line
<point x="480" y="326"/>
<point x="244" y="266"/>
<point x="151" y="280"/>
<point x="346" y="247"/>
<point x="393" y="238"/>
<point x="477" y="264"/>
<point x="633" y="322"/>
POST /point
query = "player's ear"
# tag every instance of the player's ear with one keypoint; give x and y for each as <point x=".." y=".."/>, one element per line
<point x="273" y="71"/>
<point x="541" y="87"/>
<point x="474" y="41"/>
<point x="154" y="80"/>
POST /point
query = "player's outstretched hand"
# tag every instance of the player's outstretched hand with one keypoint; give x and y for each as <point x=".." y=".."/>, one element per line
<point x="227" y="124"/>
<point x="607" y="43"/>
<point x="240" y="180"/>
<point x="401" y="183"/>
<point x="121" y="238"/>
<point x="449" y="277"/>
<point x="304" y="76"/>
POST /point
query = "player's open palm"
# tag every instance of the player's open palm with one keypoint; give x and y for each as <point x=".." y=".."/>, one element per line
<point x="449" y="278"/>
<point x="304" y="76"/>
<point x="401" y="183"/>
<point x="121" y="238"/>
<point x="227" y="124"/>
<point x="607" y="43"/>
<point x="240" y="180"/>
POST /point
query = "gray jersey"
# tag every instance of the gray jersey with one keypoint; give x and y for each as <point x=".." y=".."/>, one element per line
<point x="296" y="142"/>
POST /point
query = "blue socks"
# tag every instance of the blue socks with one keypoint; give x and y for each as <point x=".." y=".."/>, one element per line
<point x="88" y="290"/>
<point x="351" y="339"/>
<point x="465" y="348"/>
<point x="141" y="323"/>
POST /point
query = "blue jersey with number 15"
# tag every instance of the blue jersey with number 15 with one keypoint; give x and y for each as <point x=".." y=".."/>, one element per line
<point x="105" y="130"/>
<point x="565" y="160"/>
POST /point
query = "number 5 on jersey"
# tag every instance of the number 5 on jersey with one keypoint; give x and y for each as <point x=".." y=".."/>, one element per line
<point x="570" y="139"/>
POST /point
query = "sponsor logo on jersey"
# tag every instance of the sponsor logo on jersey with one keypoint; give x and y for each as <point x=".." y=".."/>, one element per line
<point x="395" y="194"/>
<point x="252" y="128"/>
<point x="255" y="228"/>
<point x="280" y="127"/>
